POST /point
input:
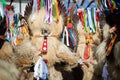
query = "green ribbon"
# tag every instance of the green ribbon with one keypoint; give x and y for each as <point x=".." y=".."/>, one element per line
<point x="114" y="4"/>
<point x="93" y="18"/>
<point x="85" y="20"/>
<point x="4" y="3"/>
<point x="42" y="4"/>
<point x="54" y="12"/>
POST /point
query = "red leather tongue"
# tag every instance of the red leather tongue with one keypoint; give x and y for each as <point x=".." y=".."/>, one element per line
<point x="45" y="46"/>
<point x="87" y="51"/>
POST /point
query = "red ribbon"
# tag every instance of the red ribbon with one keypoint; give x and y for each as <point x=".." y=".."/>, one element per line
<point x="81" y="16"/>
<point x="38" y="1"/>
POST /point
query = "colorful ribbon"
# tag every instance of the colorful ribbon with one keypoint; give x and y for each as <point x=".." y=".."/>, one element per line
<point x="55" y="10"/>
<point x="4" y="3"/>
<point x="85" y="21"/>
<point x="48" y="16"/>
<point x="72" y="37"/>
<point x="63" y="36"/>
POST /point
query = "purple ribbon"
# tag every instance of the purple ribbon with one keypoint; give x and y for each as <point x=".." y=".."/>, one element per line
<point x="105" y="73"/>
<point x="48" y="16"/>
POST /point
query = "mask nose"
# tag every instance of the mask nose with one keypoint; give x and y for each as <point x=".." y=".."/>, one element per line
<point x="45" y="32"/>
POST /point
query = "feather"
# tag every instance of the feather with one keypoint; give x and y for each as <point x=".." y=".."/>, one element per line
<point x="28" y="10"/>
<point x="62" y="10"/>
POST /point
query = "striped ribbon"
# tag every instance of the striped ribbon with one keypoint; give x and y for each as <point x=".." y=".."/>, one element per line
<point x="90" y="21"/>
<point x="72" y="37"/>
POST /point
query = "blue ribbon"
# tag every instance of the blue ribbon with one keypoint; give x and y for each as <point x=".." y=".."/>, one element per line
<point x="72" y="37"/>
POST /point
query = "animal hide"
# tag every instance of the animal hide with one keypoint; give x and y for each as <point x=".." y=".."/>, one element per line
<point x="112" y="60"/>
<point x="87" y="64"/>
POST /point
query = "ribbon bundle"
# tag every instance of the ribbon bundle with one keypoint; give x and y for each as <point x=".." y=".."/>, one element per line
<point x="88" y="19"/>
<point x="109" y="6"/>
<point x="17" y="30"/>
<point x="51" y="7"/>
<point x="68" y="29"/>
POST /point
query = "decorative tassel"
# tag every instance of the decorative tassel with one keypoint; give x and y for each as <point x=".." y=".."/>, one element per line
<point x="41" y="70"/>
<point x="45" y="46"/>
